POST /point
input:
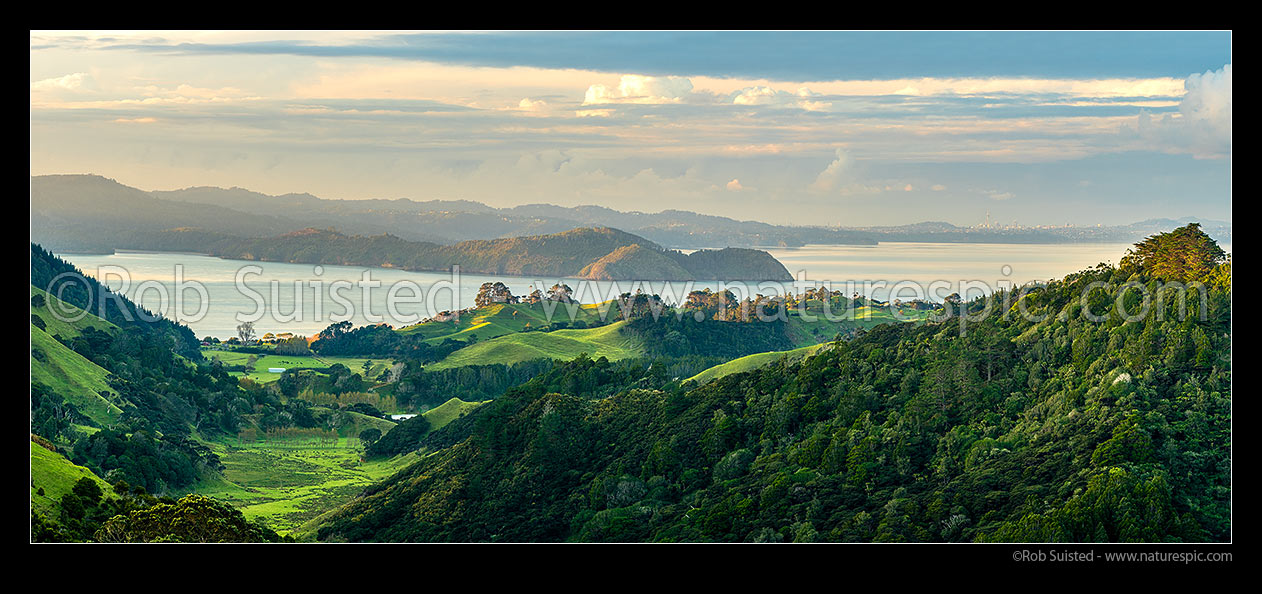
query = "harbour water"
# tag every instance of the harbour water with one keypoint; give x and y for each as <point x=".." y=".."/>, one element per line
<point x="213" y="295"/>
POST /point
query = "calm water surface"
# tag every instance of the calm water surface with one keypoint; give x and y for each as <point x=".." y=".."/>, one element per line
<point x="304" y="299"/>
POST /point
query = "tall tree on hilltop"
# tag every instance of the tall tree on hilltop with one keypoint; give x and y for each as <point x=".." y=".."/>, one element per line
<point x="1186" y="254"/>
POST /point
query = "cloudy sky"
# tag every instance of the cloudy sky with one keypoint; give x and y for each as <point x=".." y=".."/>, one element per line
<point x="853" y="128"/>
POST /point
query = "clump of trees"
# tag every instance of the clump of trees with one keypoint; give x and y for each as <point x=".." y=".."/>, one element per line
<point x="492" y="293"/>
<point x="128" y="513"/>
<point x="1186" y="254"/>
<point x="193" y="518"/>
<point x="296" y="345"/>
<point x="380" y="340"/>
<point x="81" y="512"/>
<point x="401" y="439"/>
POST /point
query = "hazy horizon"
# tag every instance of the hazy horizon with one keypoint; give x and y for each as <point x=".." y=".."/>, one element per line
<point x="632" y="210"/>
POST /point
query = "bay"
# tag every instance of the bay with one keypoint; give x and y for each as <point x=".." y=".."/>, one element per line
<point x="303" y="299"/>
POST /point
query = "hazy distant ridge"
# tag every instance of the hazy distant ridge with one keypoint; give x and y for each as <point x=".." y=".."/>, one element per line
<point x="68" y="212"/>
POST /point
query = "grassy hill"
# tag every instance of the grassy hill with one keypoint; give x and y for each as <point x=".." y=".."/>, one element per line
<point x="503" y="333"/>
<point x="64" y="319"/>
<point x="605" y="341"/>
<point x="56" y="475"/>
<point x="754" y="361"/>
<point x="78" y="380"/>
<point x="449" y="411"/>
<point x="498" y="320"/>
<point x="806" y="332"/>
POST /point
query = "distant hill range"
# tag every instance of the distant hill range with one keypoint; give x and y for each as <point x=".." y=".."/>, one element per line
<point x="599" y="253"/>
<point x="70" y="212"/>
<point x="94" y="214"/>
<point x="938" y="231"/>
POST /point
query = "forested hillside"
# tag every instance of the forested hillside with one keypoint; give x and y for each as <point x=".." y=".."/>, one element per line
<point x="127" y="396"/>
<point x="1055" y="417"/>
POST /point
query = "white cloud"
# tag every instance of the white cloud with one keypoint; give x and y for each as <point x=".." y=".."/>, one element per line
<point x="925" y="87"/>
<point x="756" y="96"/>
<point x="764" y="95"/>
<point x="1203" y="125"/>
<point x="69" y="82"/>
<point x="997" y="195"/>
<point x="735" y="185"/>
<point x="1208" y="103"/>
<point x="834" y="174"/>
<point x="527" y="105"/>
<point x="634" y="88"/>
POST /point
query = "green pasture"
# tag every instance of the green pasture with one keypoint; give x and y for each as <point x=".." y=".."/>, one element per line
<point x="605" y="341"/>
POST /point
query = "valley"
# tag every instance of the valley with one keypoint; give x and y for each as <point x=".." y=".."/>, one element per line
<point x="963" y="296"/>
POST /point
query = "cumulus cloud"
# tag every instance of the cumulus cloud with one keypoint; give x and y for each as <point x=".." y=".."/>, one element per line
<point x="735" y="185"/>
<point x="634" y="88"/>
<point x="1208" y="102"/>
<point x="527" y="105"/>
<point x="1203" y="124"/>
<point x="835" y="174"/>
<point x="755" y="96"/>
<point x="761" y="95"/>
<point x="70" y="82"/>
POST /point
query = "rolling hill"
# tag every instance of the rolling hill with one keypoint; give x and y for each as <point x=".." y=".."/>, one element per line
<point x="754" y="361"/>
<point x="605" y="341"/>
<point x="449" y="411"/>
<point x="53" y="476"/>
<point x="498" y="319"/>
<point x="81" y="382"/>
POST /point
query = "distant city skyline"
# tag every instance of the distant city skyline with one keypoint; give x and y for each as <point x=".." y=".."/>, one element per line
<point x="803" y="128"/>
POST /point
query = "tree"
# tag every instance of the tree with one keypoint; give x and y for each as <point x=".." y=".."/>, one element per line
<point x="335" y="330"/>
<point x="293" y="346"/>
<point x="560" y="292"/>
<point x="369" y="436"/>
<point x="245" y="332"/>
<point x="1186" y="254"/>
<point x="490" y="293"/>
<point x="194" y="518"/>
